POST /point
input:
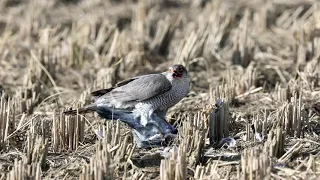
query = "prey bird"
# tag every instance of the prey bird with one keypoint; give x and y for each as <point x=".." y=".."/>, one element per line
<point x="142" y="102"/>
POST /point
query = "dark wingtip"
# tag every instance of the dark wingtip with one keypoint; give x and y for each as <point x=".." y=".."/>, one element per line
<point x="78" y="111"/>
<point x="101" y="92"/>
<point x="70" y="112"/>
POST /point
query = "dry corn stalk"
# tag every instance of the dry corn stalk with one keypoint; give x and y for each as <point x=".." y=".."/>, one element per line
<point x="190" y="48"/>
<point x="275" y="143"/>
<point x="67" y="132"/>
<point x="23" y="170"/>
<point x="101" y="165"/>
<point x="255" y="164"/>
<point x="139" y="23"/>
<point x="259" y="128"/>
<point x="241" y="81"/>
<point x="262" y="126"/>
<point x="207" y="172"/>
<point x="37" y="149"/>
<point x="281" y="32"/>
<point x="225" y="92"/>
<point x="193" y="135"/>
<point x="27" y="98"/>
<point x="282" y="93"/>
<point x="163" y="37"/>
<point x="41" y="72"/>
<point x="243" y="44"/>
<point x="120" y="148"/>
<point x="7" y="118"/>
<point x="295" y="117"/>
<point x="175" y="168"/>
<point x="288" y="155"/>
<point x="105" y="78"/>
<point x="212" y="170"/>
<point x="112" y="151"/>
<point x="219" y="122"/>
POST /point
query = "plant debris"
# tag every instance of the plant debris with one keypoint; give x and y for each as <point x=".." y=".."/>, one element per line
<point x="252" y="111"/>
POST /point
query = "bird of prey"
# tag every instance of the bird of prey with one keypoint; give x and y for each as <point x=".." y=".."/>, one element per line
<point x="142" y="102"/>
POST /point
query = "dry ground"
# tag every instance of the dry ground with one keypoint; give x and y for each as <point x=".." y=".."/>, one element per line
<point x="261" y="57"/>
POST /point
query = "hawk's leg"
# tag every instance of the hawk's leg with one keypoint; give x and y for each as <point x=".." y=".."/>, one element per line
<point x="164" y="126"/>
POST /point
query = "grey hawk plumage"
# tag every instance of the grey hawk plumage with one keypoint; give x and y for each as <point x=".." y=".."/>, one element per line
<point x="143" y="100"/>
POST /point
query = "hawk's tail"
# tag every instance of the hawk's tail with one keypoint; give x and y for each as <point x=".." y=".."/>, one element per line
<point x="82" y="110"/>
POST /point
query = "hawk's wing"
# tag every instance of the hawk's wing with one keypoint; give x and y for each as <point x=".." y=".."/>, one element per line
<point x="136" y="89"/>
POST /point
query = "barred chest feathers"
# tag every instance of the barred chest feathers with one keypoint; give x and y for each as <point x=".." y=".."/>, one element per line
<point x="179" y="90"/>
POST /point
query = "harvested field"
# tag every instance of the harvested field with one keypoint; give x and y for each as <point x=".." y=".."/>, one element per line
<point x="253" y="111"/>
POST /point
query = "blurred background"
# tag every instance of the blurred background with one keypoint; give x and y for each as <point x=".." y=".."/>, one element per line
<point x="260" y="56"/>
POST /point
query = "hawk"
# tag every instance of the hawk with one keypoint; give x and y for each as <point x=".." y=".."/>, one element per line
<point x="142" y="101"/>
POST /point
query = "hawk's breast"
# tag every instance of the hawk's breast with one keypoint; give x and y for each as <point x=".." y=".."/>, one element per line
<point x="168" y="99"/>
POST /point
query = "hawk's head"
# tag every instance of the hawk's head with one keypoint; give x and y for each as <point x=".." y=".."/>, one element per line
<point x="178" y="71"/>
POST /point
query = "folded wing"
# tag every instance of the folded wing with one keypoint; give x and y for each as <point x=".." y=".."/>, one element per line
<point x="135" y="89"/>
